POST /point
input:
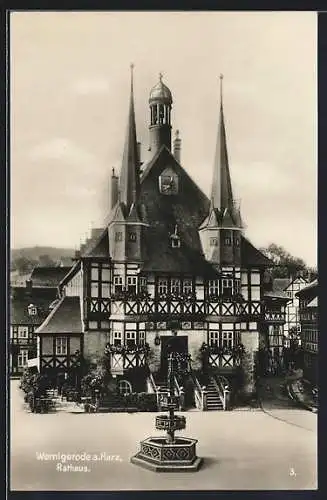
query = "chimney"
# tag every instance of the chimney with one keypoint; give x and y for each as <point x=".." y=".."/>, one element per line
<point x="29" y="286"/>
<point x="177" y="147"/>
<point x="114" y="189"/>
<point x="77" y="254"/>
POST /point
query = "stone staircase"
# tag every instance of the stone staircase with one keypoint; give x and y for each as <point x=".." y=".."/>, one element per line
<point x="213" y="399"/>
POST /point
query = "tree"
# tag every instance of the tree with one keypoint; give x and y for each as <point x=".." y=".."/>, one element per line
<point x="23" y="265"/>
<point x="46" y="261"/>
<point x="286" y="265"/>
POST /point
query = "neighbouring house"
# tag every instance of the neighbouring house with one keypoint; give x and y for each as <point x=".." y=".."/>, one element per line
<point x="168" y="262"/>
<point x="29" y="306"/>
<point x="291" y="286"/>
<point x="308" y="312"/>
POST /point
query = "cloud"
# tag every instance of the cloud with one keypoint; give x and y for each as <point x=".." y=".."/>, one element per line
<point x="90" y="86"/>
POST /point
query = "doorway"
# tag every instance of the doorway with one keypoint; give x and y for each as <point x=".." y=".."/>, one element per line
<point x="180" y="345"/>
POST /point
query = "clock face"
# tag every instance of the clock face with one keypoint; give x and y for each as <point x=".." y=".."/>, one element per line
<point x="168" y="183"/>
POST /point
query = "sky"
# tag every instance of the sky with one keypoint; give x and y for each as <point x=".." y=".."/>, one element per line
<point x="70" y="83"/>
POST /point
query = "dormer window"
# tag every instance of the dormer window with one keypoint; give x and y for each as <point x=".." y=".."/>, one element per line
<point x="175" y="242"/>
<point x="175" y="239"/>
<point x="32" y="311"/>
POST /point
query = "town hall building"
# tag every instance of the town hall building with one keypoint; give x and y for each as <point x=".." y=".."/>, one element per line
<point x="169" y="261"/>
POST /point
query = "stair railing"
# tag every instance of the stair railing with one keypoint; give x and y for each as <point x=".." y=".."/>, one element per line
<point x="220" y="390"/>
<point x="200" y="393"/>
<point x="179" y="391"/>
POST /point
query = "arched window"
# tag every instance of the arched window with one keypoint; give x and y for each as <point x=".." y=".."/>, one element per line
<point x="124" y="387"/>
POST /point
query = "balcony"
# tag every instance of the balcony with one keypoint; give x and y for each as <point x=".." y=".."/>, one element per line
<point x="122" y="358"/>
<point x="225" y="358"/>
<point x="274" y="316"/>
<point x="182" y="306"/>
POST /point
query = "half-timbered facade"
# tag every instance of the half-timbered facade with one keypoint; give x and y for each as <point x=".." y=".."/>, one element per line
<point x="169" y="260"/>
<point x="308" y="312"/>
<point x="291" y="286"/>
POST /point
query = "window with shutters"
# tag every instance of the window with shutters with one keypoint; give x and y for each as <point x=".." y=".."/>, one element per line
<point x="213" y="338"/>
<point x="175" y="286"/>
<point x="162" y="286"/>
<point x="132" y="284"/>
<point x="61" y="346"/>
<point x="118" y="284"/>
<point x="214" y="287"/>
<point x="141" y="338"/>
<point x="130" y="339"/>
<point x="22" y="358"/>
<point x="227" y="339"/>
<point x="117" y="338"/>
<point x="187" y="286"/>
<point x="227" y="287"/>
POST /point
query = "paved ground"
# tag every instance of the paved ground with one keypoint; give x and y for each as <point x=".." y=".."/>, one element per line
<point x="273" y="448"/>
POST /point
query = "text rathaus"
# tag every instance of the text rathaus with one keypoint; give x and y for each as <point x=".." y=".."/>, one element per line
<point x="168" y="262"/>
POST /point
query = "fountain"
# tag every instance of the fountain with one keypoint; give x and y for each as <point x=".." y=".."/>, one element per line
<point x="168" y="453"/>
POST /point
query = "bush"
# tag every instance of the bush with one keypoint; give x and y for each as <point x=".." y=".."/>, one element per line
<point x="147" y="402"/>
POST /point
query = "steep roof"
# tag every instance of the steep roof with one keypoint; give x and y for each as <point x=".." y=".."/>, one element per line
<point x="277" y="295"/>
<point x="221" y="189"/>
<point x="129" y="183"/>
<point x="186" y="210"/>
<point x="19" y="310"/>
<point x="98" y="247"/>
<point x="64" y="318"/>
<point x="280" y="284"/>
<point x="251" y="256"/>
<point x="309" y="290"/>
<point x="48" y="276"/>
<point x="313" y="303"/>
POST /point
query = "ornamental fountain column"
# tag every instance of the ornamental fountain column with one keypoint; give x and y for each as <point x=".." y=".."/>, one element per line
<point x="168" y="453"/>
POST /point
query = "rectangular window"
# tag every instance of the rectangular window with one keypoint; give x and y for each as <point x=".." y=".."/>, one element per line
<point x="213" y="339"/>
<point x="175" y="286"/>
<point x="162" y="286"/>
<point x="141" y="338"/>
<point x="118" y="236"/>
<point x="23" y="332"/>
<point x="213" y="242"/>
<point x="187" y="286"/>
<point x="236" y="241"/>
<point x="227" y="339"/>
<point x="94" y="273"/>
<point x="94" y="290"/>
<point x="237" y="286"/>
<point x="132" y="284"/>
<point x="105" y="274"/>
<point x="214" y="287"/>
<point x="61" y="346"/>
<point x="118" y="284"/>
<point x="130" y="339"/>
<point x="117" y="337"/>
<point x="227" y="288"/>
<point x="22" y="358"/>
<point x="227" y="241"/>
<point x="105" y="290"/>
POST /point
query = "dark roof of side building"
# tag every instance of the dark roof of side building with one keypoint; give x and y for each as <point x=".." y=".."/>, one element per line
<point x="48" y="276"/>
<point x="64" y="318"/>
<point x="19" y="311"/>
<point x="309" y="290"/>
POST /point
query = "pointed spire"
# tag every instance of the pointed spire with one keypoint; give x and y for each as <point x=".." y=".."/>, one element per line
<point x="221" y="191"/>
<point x="129" y="176"/>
